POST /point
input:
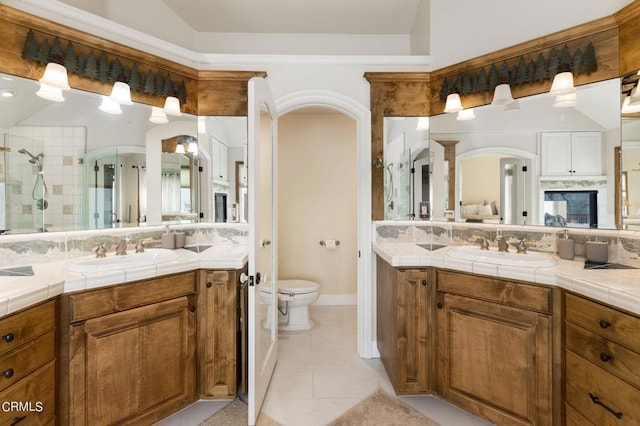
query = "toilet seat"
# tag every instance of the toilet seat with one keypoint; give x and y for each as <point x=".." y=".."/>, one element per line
<point x="294" y="287"/>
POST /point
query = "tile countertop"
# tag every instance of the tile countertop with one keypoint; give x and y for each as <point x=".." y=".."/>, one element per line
<point x="50" y="279"/>
<point x="616" y="287"/>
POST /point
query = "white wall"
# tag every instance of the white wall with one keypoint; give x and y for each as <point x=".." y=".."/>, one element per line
<point x="317" y="200"/>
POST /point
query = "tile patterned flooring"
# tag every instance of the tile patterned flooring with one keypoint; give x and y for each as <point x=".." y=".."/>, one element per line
<point x="319" y="376"/>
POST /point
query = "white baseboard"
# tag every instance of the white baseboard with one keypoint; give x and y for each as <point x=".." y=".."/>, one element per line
<point x="336" y="299"/>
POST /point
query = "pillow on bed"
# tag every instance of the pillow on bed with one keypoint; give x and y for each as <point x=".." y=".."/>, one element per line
<point x="470" y="209"/>
<point x="485" y="210"/>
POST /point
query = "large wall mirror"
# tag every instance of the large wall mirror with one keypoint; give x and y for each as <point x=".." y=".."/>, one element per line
<point x="630" y="162"/>
<point x="535" y="164"/>
<point x="70" y="166"/>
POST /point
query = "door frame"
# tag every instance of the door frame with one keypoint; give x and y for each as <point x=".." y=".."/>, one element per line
<point x="365" y="305"/>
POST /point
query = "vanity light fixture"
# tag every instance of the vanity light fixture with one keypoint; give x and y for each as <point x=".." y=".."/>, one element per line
<point x="512" y="106"/>
<point x="502" y="95"/>
<point x="110" y="106"/>
<point x="121" y="93"/>
<point x="563" y="82"/>
<point x="634" y="97"/>
<point x="565" y="101"/>
<point x="158" y="116"/>
<point x="180" y="149"/>
<point x="172" y="106"/>
<point x="454" y="104"/>
<point x="466" y="114"/>
<point x="193" y="147"/>
<point x="627" y="108"/>
<point x="423" y="123"/>
<point x="50" y="93"/>
<point x="53" y="82"/>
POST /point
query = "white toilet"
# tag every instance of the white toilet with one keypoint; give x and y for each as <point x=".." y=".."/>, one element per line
<point x="294" y="298"/>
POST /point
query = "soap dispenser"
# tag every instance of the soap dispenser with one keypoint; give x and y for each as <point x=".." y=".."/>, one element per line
<point x="566" y="246"/>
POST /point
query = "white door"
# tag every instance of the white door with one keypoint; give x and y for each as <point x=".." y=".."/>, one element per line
<point x="263" y="324"/>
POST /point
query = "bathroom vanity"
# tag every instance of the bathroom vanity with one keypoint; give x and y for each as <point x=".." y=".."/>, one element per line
<point x="509" y="350"/>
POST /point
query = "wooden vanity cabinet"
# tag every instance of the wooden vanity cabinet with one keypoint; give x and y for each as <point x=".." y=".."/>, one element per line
<point x="602" y="367"/>
<point x="127" y="352"/>
<point x="404" y="326"/>
<point x="495" y="347"/>
<point x="219" y="336"/>
<point x="27" y="366"/>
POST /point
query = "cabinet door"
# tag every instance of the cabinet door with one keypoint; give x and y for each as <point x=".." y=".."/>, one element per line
<point x="495" y="360"/>
<point x="586" y="153"/>
<point x="139" y="364"/>
<point x="218" y="333"/>
<point x="556" y="153"/>
<point x="412" y="334"/>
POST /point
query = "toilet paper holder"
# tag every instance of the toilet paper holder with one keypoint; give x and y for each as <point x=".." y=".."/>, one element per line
<point x="322" y="243"/>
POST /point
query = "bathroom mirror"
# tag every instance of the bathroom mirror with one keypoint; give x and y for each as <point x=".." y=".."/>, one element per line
<point x="630" y="157"/>
<point x="67" y="139"/>
<point x="536" y="165"/>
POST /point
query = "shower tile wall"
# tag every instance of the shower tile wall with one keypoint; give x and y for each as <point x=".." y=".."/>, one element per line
<point x="63" y="149"/>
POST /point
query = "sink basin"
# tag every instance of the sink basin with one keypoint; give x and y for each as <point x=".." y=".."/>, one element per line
<point x="528" y="260"/>
<point x="114" y="263"/>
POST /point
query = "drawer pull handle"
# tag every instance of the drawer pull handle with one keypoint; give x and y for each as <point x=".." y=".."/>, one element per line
<point x="424" y="282"/>
<point x="440" y="305"/>
<point x="8" y="373"/>
<point x="604" y="324"/>
<point x="17" y="420"/>
<point x="209" y="285"/>
<point x="604" y="357"/>
<point x="597" y="401"/>
<point x="8" y="337"/>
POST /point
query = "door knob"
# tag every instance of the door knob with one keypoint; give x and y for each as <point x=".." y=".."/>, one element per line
<point x="264" y="243"/>
<point x="244" y="278"/>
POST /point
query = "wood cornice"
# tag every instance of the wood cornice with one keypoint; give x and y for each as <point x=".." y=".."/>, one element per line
<point x="603" y="33"/>
<point x="386" y="77"/>
<point x="628" y="20"/>
<point x="207" y="92"/>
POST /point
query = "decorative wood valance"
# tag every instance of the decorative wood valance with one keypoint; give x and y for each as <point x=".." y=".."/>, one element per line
<point x="97" y="65"/>
<point x="521" y="70"/>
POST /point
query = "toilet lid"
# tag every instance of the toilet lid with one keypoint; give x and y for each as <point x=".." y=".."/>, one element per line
<point x="294" y="286"/>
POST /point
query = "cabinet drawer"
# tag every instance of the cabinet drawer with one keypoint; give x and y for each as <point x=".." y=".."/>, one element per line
<point x="91" y="304"/>
<point x="24" y="326"/>
<point x="600" y="396"/>
<point x="36" y="398"/>
<point x="609" y="355"/>
<point x="606" y="322"/>
<point x="573" y="418"/>
<point x="495" y="290"/>
<point x="20" y="362"/>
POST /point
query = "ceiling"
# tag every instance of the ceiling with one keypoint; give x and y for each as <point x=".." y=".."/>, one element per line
<point x="298" y="16"/>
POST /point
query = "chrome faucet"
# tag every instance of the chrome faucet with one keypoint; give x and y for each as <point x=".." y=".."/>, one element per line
<point x="121" y="248"/>
<point x="522" y="247"/>
<point x="503" y="246"/>
<point x="484" y="243"/>
<point x="100" y="251"/>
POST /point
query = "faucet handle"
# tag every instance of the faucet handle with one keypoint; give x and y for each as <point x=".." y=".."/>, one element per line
<point x="522" y="246"/>
<point x="484" y="243"/>
<point x="100" y="251"/>
<point x="140" y="246"/>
